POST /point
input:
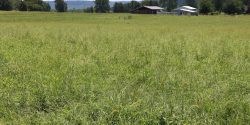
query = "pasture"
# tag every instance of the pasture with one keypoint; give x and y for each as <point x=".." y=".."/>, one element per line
<point x="73" y="68"/>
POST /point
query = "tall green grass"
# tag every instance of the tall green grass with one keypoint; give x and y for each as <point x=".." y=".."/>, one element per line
<point x="124" y="69"/>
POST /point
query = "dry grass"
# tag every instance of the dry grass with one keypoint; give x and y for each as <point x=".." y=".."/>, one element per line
<point x="124" y="69"/>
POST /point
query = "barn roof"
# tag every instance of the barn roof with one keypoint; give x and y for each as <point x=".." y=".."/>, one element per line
<point x="188" y="7"/>
<point x="153" y="7"/>
<point x="186" y="10"/>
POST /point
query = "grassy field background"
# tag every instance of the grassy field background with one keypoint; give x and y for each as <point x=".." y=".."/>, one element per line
<point x="124" y="69"/>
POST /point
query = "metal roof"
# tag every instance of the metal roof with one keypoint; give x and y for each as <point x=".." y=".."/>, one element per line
<point x="153" y="7"/>
<point x="188" y="7"/>
<point x="186" y="10"/>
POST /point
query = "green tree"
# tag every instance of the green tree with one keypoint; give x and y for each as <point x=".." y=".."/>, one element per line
<point x="102" y="6"/>
<point x="126" y="7"/>
<point x="89" y="10"/>
<point x="46" y="6"/>
<point x="37" y="5"/>
<point x="61" y="6"/>
<point x="233" y="7"/>
<point x="22" y="6"/>
<point x="133" y="5"/>
<point x="5" y="5"/>
<point x="163" y="3"/>
<point x="218" y="5"/>
<point x="192" y="3"/>
<point x="171" y="4"/>
<point x="150" y="3"/>
<point x="119" y="7"/>
<point x="15" y="3"/>
<point x="247" y="5"/>
<point x="205" y="6"/>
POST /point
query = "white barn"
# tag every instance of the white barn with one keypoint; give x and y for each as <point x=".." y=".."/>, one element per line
<point x="186" y="10"/>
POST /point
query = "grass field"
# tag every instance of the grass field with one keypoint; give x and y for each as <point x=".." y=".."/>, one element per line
<point x="124" y="69"/>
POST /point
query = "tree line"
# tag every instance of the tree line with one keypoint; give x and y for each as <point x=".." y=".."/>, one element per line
<point x="102" y="6"/>
<point x="204" y="6"/>
<point x="226" y="6"/>
<point x="31" y="5"/>
<point x="24" y="5"/>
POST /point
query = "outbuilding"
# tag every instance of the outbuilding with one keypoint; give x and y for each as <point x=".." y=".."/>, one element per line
<point x="147" y="10"/>
<point x="186" y="10"/>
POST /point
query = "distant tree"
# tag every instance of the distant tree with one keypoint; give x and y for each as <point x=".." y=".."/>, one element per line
<point x="127" y="7"/>
<point x="89" y="10"/>
<point x="61" y="6"/>
<point x="247" y="5"/>
<point x="5" y="5"/>
<point x="150" y="3"/>
<point x="192" y="3"/>
<point x="37" y="5"/>
<point x="206" y="6"/>
<point x="22" y="6"/>
<point x="163" y="3"/>
<point x="233" y="7"/>
<point x="171" y="4"/>
<point x="102" y="6"/>
<point x="218" y="5"/>
<point x="15" y="3"/>
<point x="119" y="7"/>
<point x="46" y="6"/>
<point x="133" y="5"/>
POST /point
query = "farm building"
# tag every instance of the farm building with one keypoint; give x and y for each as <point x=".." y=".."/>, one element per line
<point x="147" y="10"/>
<point x="186" y="10"/>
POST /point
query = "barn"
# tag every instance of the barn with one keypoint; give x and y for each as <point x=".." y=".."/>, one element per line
<point x="147" y="10"/>
<point x="186" y="10"/>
